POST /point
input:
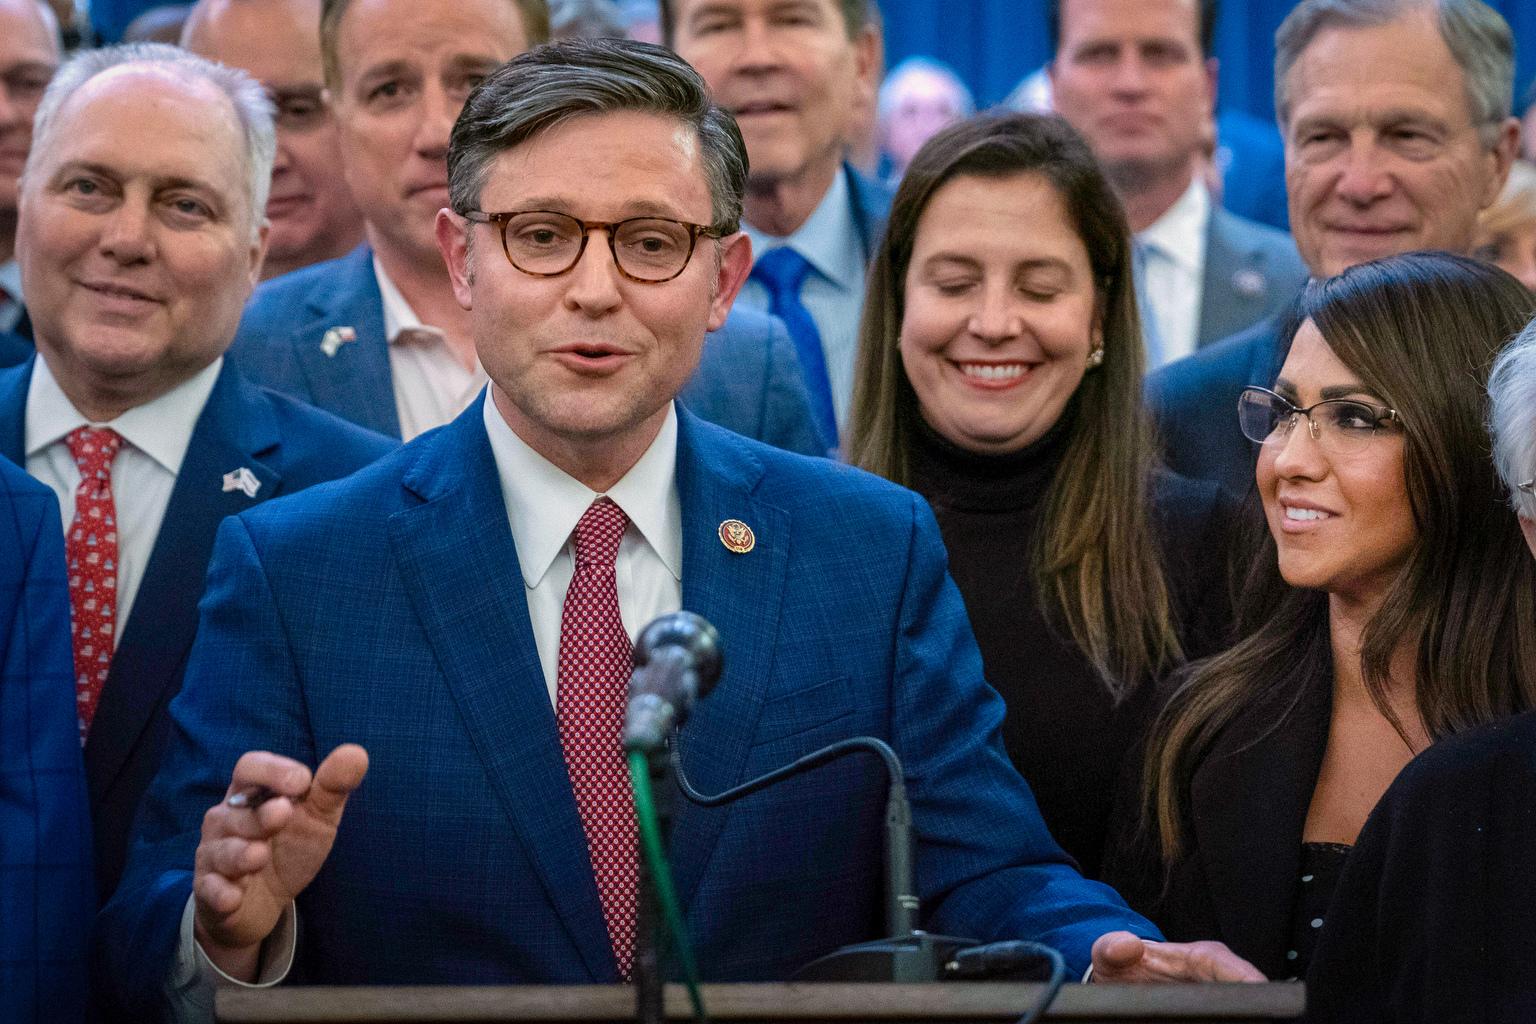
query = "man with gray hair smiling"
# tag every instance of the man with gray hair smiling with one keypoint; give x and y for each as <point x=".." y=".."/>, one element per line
<point x="1397" y="127"/>
<point x="140" y="235"/>
<point x="455" y="623"/>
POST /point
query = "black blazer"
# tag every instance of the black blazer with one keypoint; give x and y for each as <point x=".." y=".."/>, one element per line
<point x="1249" y="797"/>
<point x="1433" y="916"/>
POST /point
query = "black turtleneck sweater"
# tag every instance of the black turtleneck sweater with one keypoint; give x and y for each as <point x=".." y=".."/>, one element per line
<point x="1062" y="730"/>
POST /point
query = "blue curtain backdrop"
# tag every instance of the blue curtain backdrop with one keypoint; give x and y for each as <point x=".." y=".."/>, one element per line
<point x="994" y="43"/>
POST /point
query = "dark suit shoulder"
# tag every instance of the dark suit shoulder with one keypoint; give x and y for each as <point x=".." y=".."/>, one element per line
<point x="15" y="481"/>
<point x="14" y="349"/>
<point x="319" y="445"/>
<point x="276" y="307"/>
<point x="1502" y="752"/>
<point x="1227" y="366"/>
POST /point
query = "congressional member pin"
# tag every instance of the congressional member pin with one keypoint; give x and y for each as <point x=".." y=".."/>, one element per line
<point x="335" y="338"/>
<point x="737" y="536"/>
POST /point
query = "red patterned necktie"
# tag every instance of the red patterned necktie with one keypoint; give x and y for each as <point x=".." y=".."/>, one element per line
<point x="91" y="549"/>
<point x="593" y="678"/>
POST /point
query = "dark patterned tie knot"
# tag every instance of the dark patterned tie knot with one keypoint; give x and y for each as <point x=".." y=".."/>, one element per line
<point x="598" y="534"/>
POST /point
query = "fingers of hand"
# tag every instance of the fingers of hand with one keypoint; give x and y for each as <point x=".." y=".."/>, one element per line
<point x="217" y="893"/>
<point x="338" y="775"/>
<point x="1198" y="961"/>
<point x="263" y="823"/>
<point x="280" y="774"/>
<point x="1115" y="953"/>
<point x="233" y="857"/>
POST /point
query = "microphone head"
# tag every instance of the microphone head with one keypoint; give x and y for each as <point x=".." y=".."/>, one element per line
<point x="693" y="634"/>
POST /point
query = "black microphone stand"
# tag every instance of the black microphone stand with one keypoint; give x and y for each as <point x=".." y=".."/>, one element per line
<point x="907" y="954"/>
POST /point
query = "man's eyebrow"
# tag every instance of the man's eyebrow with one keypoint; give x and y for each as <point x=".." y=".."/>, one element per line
<point x="635" y="208"/>
<point x="386" y="67"/>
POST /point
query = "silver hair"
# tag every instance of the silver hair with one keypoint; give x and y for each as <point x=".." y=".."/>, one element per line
<point x="1512" y="417"/>
<point x="245" y="95"/>
<point x="890" y="89"/>
<point x="550" y="84"/>
<point x="1477" y="36"/>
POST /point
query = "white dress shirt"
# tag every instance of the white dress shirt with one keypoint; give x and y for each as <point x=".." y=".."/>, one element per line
<point x="431" y="386"/>
<point x="155" y="438"/>
<point x="1175" y="263"/>
<point x="833" y="292"/>
<point x="543" y="506"/>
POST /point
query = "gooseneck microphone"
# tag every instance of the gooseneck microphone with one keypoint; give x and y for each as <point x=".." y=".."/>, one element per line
<point x="677" y="661"/>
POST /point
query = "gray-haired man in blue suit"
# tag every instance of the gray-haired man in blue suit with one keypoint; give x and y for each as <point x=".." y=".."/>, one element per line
<point x="1397" y="130"/>
<point x="375" y="336"/>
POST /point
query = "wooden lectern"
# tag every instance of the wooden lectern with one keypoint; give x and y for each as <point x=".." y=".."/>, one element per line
<point x="934" y="1003"/>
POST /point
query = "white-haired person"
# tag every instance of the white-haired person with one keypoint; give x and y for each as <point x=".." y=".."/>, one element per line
<point x="1458" y="822"/>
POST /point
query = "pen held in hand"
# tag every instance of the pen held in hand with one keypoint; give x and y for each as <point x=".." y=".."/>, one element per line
<point x="252" y="797"/>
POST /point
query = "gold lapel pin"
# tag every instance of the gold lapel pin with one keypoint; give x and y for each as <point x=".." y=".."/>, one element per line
<point x="737" y="536"/>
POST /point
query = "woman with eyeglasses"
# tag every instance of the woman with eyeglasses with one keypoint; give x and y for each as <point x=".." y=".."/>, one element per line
<point x="1393" y="606"/>
<point x="999" y="375"/>
<point x="1432" y="912"/>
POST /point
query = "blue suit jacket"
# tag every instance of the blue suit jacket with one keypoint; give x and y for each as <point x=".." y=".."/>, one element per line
<point x="871" y="208"/>
<point x="14" y="349"/>
<point x="1194" y="403"/>
<point x="46" y="901"/>
<point x="388" y="610"/>
<point x="1251" y="272"/>
<point x="287" y="446"/>
<point x="748" y="379"/>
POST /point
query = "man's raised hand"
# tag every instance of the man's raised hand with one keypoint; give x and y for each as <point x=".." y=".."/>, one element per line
<point x="252" y="862"/>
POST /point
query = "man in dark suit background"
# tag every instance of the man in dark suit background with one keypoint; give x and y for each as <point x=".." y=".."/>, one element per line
<point x="463" y="610"/>
<point x="310" y="208"/>
<point x="1136" y="78"/>
<point x="1397" y="132"/>
<point x="45" y="828"/>
<point x="140" y="237"/>
<point x="375" y="336"/>
<point x="796" y="84"/>
<point x="29" y="52"/>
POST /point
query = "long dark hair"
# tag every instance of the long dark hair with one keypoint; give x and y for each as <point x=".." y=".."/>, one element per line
<point x="1097" y="564"/>
<point x="1421" y="330"/>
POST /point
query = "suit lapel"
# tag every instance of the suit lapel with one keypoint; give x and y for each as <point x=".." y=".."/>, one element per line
<point x="460" y="570"/>
<point x="1250" y="798"/>
<point x="354" y="380"/>
<point x="741" y="594"/>
<point x="14" y="382"/>
<point x="236" y="429"/>
<point x="1235" y="290"/>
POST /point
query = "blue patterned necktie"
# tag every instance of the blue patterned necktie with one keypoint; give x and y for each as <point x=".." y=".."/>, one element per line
<point x="1152" y="339"/>
<point x="782" y="271"/>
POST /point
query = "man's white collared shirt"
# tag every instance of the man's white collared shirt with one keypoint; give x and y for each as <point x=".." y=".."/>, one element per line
<point x="543" y="506"/>
<point x="431" y="386"/>
<point x="1175" y="267"/>
<point x="155" y="439"/>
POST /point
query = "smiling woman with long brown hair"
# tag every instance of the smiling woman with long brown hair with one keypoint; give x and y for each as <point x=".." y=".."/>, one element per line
<point x="1396" y="605"/>
<point x="999" y="375"/>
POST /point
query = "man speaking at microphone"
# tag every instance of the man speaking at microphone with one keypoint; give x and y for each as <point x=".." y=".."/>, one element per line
<point x="462" y="611"/>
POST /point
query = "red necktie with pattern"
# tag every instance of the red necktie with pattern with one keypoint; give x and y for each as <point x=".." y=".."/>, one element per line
<point x="90" y="547"/>
<point x="593" y="679"/>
